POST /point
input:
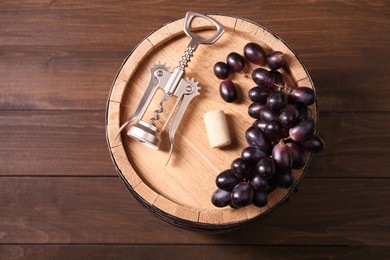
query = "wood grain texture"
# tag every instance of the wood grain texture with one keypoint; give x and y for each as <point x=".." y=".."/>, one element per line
<point x="63" y="143"/>
<point x="57" y="63"/>
<point x="99" y="210"/>
<point x="60" y="143"/>
<point x="13" y="252"/>
<point x="80" y="60"/>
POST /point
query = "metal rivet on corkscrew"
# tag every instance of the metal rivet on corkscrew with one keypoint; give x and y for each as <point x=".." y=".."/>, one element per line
<point x="173" y="84"/>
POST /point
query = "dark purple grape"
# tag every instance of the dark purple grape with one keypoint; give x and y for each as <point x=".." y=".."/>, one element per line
<point x="255" y="137"/>
<point x="288" y="115"/>
<point x="265" y="167"/>
<point x="284" y="180"/>
<point x="260" y="199"/>
<point x="260" y="124"/>
<point x="241" y="168"/>
<point x="278" y="78"/>
<point x="259" y="94"/>
<point x="263" y="77"/>
<point x="259" y="182"/>
<point x="303" y="96"/>
<point x="277" y="100"/>
<point x="254" y="53"/>
<point x="226" y="180"/>
<point x="242" y="195"/>
<point x="290" y="100"/>
<point x="303" y="130"/>
<point x="314" y="144"/>
<point x="282" y="157"/>
<point x="297" y="154"/>
<point x="252" y="154"/>
<point x="273" y="131"/>
<point x="221" y="70"/>
<point x="235" y="62"/>
<point x="221" y="198"/>
<point x="254" y="110"/>
<point x="275" y="60"/>
<point x="228" y="91"/>
<point x="304" y="113"/>
<point x="267" y="115"/>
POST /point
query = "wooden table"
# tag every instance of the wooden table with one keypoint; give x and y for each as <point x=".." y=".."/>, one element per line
<point x="60" y="196"/>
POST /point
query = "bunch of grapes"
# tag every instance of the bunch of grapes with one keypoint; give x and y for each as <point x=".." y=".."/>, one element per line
<point x="283" y="129"/>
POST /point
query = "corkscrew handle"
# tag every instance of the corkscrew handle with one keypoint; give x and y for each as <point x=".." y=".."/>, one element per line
<point x="197" y="39"/>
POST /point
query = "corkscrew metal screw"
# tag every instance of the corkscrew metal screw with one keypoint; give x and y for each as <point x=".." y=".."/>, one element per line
<point x="173" y="84"/>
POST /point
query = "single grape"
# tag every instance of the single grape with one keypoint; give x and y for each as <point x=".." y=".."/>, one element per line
<point x="235" y="61"/>
<point x="255" y="137"/>
<point x="259" y="94"/>
<point x="303" y="96"/>
<point x="282" y="157"/>
<point x="284" y="179"/>
<point x="263" y="77"/>
<point x="254" y="53"/>
<point x="260" y="124"/>
<point x="259" y="182"/>
<point x="228" y="91"/>
<point x="278" y="78"/>
<point x="277" y="100"/>
<point x="267" y="115"/>
<point x="273" y="131"/>
<point x="254" y="110"/>
<point x="304" y="113"/>
<point x="297" y="154"/>
<point x="275" y="60"/>
<point x="260" y="199"/>
<point x="241" y="168"/>
<point x="242" y="195"/>
<point x="288" y="115"/>
<point x="265" y="167"/>
<point x="314" y="144"/>
<point x="303" y="130"/>
<point x="252" y="154"/>
<point x="221" y="70"/>
<point x="226" y="180"/>
<point x="221" y="198"/>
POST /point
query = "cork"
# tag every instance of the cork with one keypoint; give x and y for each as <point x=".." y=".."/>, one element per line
<point x="217" y="128"/>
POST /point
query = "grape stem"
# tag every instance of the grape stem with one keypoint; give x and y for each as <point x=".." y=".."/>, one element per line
<point x="281" y="87"/>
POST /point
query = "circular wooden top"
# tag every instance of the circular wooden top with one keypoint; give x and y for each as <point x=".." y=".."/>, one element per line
<point x="181" y="191"/>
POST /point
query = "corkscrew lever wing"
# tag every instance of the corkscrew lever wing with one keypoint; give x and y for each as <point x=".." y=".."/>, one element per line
<point x="150" y="91"/>
<point x="191" y="90"/>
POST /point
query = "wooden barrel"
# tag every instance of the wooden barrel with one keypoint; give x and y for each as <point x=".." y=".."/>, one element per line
<point x="180" y="192"/>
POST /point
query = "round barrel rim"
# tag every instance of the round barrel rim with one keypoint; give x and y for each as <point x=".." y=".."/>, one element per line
<point x="184" y="223"/>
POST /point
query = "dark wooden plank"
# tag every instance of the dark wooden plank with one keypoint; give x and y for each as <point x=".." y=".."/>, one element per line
<point x="71" y="63"/>
<point x="120" y="22"/>
<point x="47" y="77"/>
<point x="53" y="143"/>
<point x="190" y="252"/>
<point x="73" y="143"/>
<point x="100" y="210"/>
<point x="357" y="145"/>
